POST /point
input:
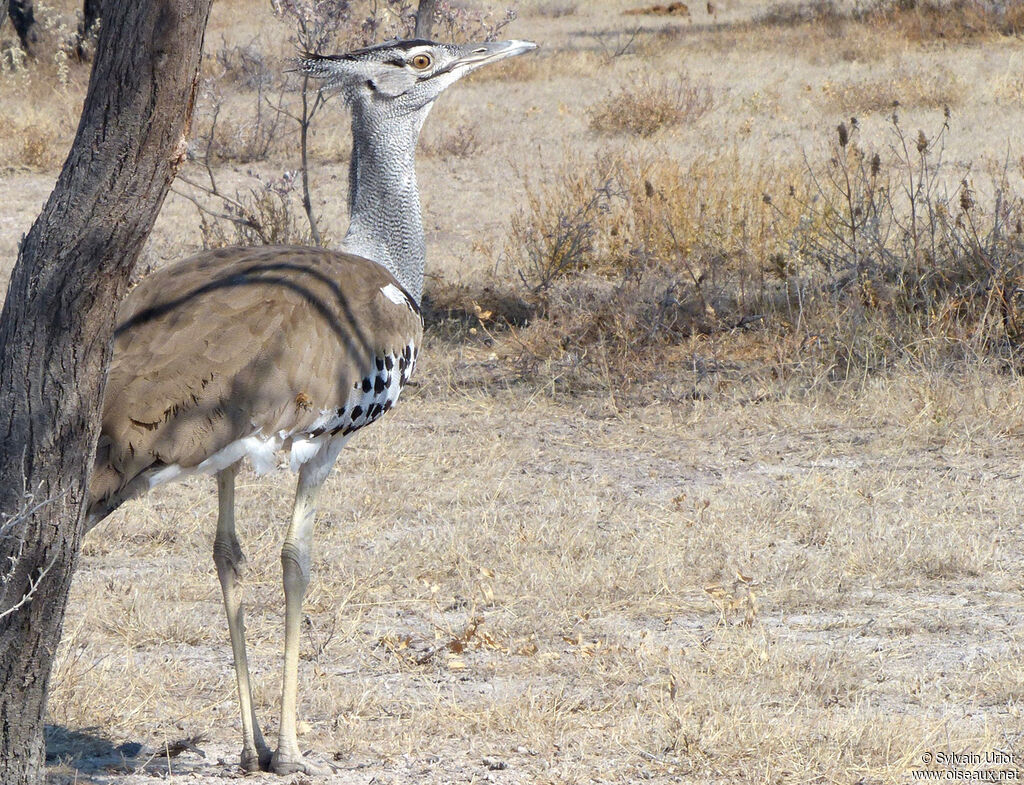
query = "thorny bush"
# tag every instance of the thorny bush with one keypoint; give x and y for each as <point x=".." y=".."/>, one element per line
<point x="870" y="258"/>
<point x="269" y="214"/>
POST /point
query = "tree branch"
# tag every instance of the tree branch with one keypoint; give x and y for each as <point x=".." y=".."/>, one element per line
<point x="425" y="18"/>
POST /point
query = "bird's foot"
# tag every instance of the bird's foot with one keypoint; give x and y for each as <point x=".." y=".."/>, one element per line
<point x="254" y="760"/>
<point x="292" y="762"/>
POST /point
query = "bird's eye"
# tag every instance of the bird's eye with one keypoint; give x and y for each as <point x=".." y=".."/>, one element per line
<point x="421" y="62"/>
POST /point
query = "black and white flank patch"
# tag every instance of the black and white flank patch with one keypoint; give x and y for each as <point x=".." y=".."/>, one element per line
<point x="371" y="396"/>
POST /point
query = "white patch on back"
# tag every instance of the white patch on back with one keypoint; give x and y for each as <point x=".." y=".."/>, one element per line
<point x="393" y="293"/>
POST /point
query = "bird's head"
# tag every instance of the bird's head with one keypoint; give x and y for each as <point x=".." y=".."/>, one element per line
<point x="402" y="77"/>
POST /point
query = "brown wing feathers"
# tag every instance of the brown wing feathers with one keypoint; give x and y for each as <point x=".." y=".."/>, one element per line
<point x="235" y="341"/>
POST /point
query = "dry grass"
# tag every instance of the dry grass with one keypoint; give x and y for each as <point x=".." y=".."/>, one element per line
<point x="619" y="531"/>
<point x="566" y="613"/>
<point x="862" y="258"/>
<point x="916" y="21"/>
<point x="646" y="105"/>
<point x="46" y="89"/>
<point x="458" y="139"/>
<point x="1009" y="89"/>
<point x="934" y="88"/>
<point x="38" y="135"/>
<point x="544" y="65"/>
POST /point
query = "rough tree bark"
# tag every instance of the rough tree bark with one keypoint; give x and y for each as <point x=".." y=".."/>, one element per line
<point x="425" y="18"/>
<point x="72" y="269"/>
<point x="23" y="18"/>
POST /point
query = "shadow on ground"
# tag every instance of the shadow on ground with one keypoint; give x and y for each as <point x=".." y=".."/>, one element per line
<point x="81" y="756"/>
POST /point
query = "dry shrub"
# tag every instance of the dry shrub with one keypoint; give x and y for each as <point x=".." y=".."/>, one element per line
<point x="267" y="213"/>
<point x="555" y="9"/>
<point x="263" y="217"/>
<point x="648" y="104"/>
<point x="624" y="257"/>
<point x="459" y="140"/>
<point x="250" y="136"/>
<point x="628" y="215"/>
<point x="928" y="20"/>
<point x="557" y="233"/>
<point x="247" y="66"/>
<point x="35" y="138"/>
<point x="935" y="88"/>
<point x="909" y="259"/>
<point x="869" y="259"/>
<point x="802" y="13"/>
<point x="253" y="123"/>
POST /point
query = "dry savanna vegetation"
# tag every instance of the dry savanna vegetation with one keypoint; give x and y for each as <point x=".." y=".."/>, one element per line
<point x="711" y="472"/>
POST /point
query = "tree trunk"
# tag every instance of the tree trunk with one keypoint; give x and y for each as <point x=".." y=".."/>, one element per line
<point x="85" y="44"/>
<point x="425" y="18"/>
<point x="90" y="14"/>
<point x="24" y="20"/>
<point x="55" y="329"/>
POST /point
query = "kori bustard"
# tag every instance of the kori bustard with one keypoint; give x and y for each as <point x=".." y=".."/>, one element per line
<point x="246" y="352"/>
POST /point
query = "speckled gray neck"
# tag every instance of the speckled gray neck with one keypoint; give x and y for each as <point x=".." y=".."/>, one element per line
<point x="384" y="201"/>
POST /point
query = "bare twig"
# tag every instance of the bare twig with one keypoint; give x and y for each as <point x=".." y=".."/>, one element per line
<point x="308" y="112"/>
<point x="9" y="531"/>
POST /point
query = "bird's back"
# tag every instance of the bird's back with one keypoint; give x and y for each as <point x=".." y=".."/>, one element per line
<point x="242" y="351"/>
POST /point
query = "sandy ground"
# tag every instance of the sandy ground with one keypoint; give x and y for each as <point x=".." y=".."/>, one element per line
<point x="881" y="620"/>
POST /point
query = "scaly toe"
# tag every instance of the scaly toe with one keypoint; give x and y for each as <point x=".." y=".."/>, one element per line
<point x="283" y="763"/>
<point x="256" y="760"/>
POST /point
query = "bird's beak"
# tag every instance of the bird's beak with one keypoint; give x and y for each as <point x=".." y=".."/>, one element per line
<point x="475" y="55"/>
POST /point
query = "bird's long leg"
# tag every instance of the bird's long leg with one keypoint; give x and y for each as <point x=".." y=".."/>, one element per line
<point x="230" y="561"/>
<point x="295" y="561"/>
